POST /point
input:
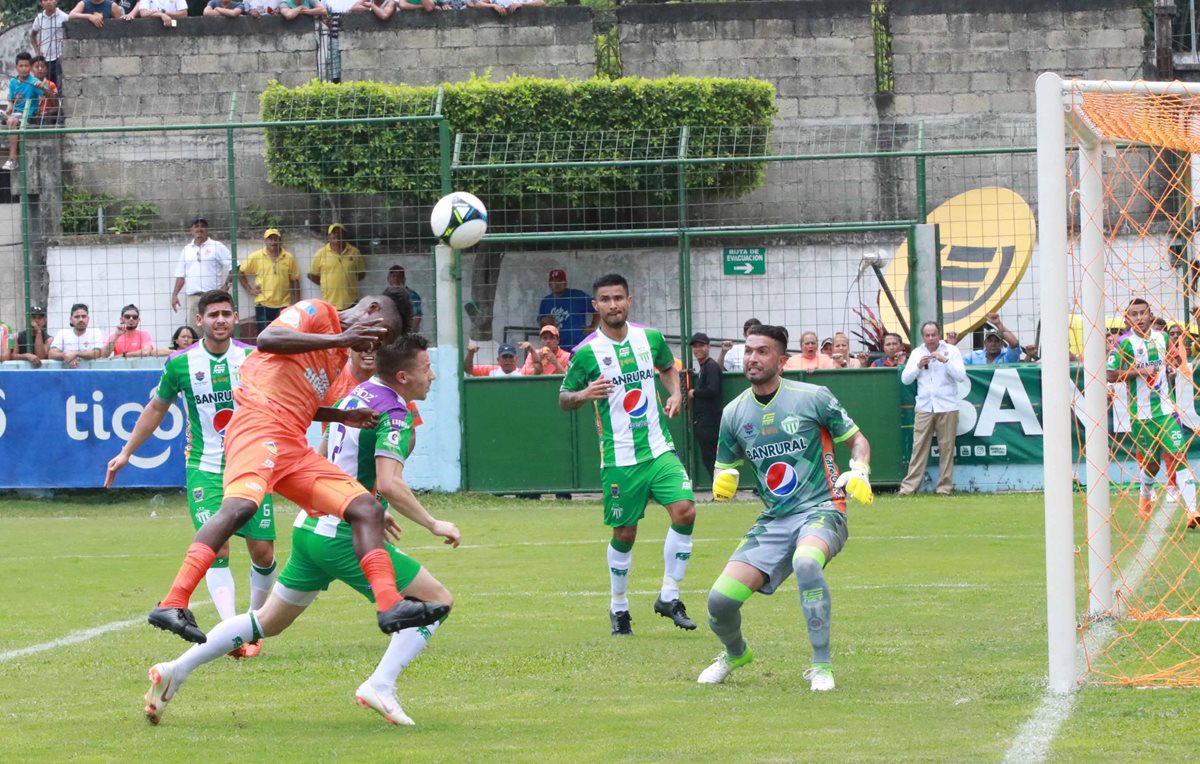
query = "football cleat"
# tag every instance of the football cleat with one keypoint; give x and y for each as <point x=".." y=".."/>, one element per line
<point x="723" y="666"/>
<point x="383" y="703"/>
<point x="1193" y="521"/>
<point x="252" y="649"/>
<point x="675" y="611"/>
<point x="1145" y="507"/>
<point x="162" y="689"/>
<point x="1173" y="496"/>
<point x="821" y="677"/>
<point x="622" y="623"/>
<point x="177" y="620"/>
<point x="409" y="613"/>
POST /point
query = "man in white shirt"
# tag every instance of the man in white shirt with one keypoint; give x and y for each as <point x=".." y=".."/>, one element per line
<point x="730" y="358"/>
<point x="79" y="342"/>
<point x="937" y="368"/>
<point x="204" y="265"/>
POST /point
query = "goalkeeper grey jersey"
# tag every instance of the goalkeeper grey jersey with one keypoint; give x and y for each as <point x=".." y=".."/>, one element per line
<point x="789" y="441"/>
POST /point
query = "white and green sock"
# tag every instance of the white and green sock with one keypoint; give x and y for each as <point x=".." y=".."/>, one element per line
<point x="221" y="588"/>
<point x="261" y="581"/>
<point x="403" y="648"/>
<point x="677" y="551"/>
<point x="227" y="635"/>
<point x="620" y="560"/>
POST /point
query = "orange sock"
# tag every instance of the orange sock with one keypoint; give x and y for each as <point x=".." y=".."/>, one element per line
<point x="196" y="563"/>
<point x="382" y="578"/>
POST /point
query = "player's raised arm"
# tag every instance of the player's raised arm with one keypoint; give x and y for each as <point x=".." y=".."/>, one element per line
<point x="389" y="481"/>
<point x="151" y="418"/>
<point x="360" y="418"/>
<point x="364" y="335"/>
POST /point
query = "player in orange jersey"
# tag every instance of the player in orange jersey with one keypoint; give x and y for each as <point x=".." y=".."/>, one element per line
<point x="285" y="387"/>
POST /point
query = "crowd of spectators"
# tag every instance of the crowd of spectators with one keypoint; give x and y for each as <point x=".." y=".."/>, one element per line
<point x="169" y="11"/>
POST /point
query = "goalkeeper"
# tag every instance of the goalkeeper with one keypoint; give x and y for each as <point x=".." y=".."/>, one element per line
<point x="787" y="431"/>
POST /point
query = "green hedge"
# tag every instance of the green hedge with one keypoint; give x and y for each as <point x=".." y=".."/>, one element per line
<point x="523" y="119"/>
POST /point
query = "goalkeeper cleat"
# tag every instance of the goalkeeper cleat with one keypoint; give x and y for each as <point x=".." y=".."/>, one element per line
<point x="674" y="610"/>
<point x="382" y="702"/>
<point x="162" y="689"/>
<point x="409" y="613"/>
<point x="723" y="666"/>
<point x="821" y="677"/>
<point x="622" y="623"/>
<point x="177" y="620"/>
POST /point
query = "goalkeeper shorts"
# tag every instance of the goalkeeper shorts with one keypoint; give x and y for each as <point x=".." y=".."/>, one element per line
<point x="771" y="542"/>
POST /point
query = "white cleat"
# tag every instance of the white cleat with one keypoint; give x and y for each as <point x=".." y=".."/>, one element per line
<point x="723" y="666"/>
<point x="821" y="677"/>
<point x="162" y="688"/>
<point x="383" y="703"/>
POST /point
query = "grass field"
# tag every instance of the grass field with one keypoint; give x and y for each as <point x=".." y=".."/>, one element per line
<point x="938" y="639"/>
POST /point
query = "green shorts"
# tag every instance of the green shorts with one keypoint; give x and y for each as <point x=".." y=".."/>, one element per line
<point x="205" y="492"/>
<point x="771" y="543"/>
<point x="316" y="561"/>
<point x="1158" y="434"/>
<point x="627" y="489"/>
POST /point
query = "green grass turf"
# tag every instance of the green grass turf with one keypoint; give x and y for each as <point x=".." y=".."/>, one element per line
<point x="938" y="640"/>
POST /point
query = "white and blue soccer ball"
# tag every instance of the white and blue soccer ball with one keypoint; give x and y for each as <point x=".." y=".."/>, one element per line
<point x="459" y="219"/>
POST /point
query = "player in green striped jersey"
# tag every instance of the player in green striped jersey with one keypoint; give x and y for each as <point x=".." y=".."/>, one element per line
<point x="1140" y="360"/>
<point x="614" y="369"/>
<point x="205" y="376"/>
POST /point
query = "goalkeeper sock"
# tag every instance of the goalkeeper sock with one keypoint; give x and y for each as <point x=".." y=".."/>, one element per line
<point x="227" y="635"/>
<point x="404" y="646"/>
<point x="725" y="613"/>
<point x="677" y="550"/>
<point x="620" y="560"/>
<point x="221" y="588"/>
<point x="261" y="581"/>
<point x="809" y="563"/>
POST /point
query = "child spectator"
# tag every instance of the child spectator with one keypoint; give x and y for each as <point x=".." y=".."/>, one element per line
<point x="96" y="12"/>
<point x="47" y="38"/>
<point x="48" y="109"/>
<point x="22" y="89"/>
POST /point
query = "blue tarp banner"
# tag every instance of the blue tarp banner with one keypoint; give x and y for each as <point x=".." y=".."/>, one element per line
<point x="58" y="429"/>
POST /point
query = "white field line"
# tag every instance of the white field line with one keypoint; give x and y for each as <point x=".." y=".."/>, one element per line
<point x="1033" y="740"/>
<point x="75" y="637"/>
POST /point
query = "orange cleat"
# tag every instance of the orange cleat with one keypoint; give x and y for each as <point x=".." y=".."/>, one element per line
<point x="252" y="649"/>
<point x="1145" y="507"/>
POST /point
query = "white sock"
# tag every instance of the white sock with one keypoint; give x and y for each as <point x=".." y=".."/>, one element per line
<point x="223" y="591"/>
<point x="225" y="636"/>
<point x="619" y="564"/>
<point x="677" y="550"/>
<point x="1147" y="488"/>
<point x="404" y="646"/>
<point x="1186" y="482"/>
<point x="260" y="584"/>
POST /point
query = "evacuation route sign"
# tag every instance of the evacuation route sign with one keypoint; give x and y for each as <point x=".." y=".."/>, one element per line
<point x="745" y="261"/>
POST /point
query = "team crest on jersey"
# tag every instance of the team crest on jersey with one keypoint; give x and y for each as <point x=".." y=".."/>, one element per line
<point x="614" y="490"/>
<point x="607" y="360"/>
<point x="197" y="494"/>
<point x="636" y="403"/>
<point x="782" y="480"/>
<point x="748" y="429"/>
<point x="199" y="376"/>
<point x="270" y="446"/>
<point x="644" y="357"/>
<point x="790" y="424"/>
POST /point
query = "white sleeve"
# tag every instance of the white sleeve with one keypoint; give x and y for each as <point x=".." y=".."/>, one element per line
<point x="179" y="265"/>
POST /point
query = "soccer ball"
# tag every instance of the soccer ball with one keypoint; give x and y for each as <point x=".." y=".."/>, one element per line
<point x="459" y="219"/>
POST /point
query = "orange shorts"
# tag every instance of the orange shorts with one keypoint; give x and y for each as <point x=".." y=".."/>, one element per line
<point x="261" y="458"/>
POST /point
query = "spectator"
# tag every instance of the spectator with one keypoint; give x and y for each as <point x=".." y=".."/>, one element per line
<point x="225" y="8"/>
<point x="33" y="344"/>
<point x="894" y="353"/>
<point x="24" y="91"/>
<point x="397" y="278"/>
<point x="951" y="338"/>
<point x="203" y="266"/>
<point x="96" y="12"/>
<point x="70" y="345"/>
<point x="6" y="342"/>
<point x="705" y="396"/>
<point x="47" y="39"/>
<point x="48" y="107"/>
<point x="291" y="9"/>
<point x="506" y="362"/>
<point x="827" y="346"/>
<point x="419" y="5"/>
<point x="549" y="358"/>
<point x="571" y="309"/>
<point x="840" y="354"/>
<point x="809" y="359"/>
<point x="165" y="11"/>
<point x="276" y="278"/>
<point x="383" y="9"/>
<point x="937" y="368"/>
<point x="730" y="358"/>
<point x="128" y="341"/>
<point x="337" y="268"/>
<point x="183" y="338"/>
<point x="999" y="345"/>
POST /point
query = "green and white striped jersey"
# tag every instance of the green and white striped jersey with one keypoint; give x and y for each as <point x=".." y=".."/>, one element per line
<point x="1149" y="397"/>
<point x="206" y="382"/>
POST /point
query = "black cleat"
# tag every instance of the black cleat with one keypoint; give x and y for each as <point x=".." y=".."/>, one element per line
<point x="621" y="623"/>
<point x="409" y="613"/>
<point x="177" y="620"/>
<point x="676" y="612"/>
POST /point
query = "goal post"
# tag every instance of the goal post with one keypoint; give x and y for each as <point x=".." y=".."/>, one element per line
<point x="1117" y="223"/>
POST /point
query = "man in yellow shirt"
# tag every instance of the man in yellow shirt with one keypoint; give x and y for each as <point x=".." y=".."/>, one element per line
<point x="337" y="268"/>
<point x="277" y="278"/>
